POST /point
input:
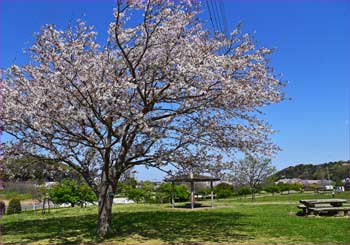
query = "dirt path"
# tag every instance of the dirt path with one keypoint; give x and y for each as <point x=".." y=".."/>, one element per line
<point x="273" y="202"/>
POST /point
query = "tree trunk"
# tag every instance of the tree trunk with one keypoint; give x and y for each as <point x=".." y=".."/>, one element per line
<point x="105" y="201"/>
<point x="253" y="194"/>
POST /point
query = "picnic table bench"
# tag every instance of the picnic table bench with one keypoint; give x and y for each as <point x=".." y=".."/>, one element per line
<point x="317" y="206"/>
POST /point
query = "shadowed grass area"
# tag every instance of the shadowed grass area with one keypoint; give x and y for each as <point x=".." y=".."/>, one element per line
<point x="231" y="222"/>
<point x="142" y="221"/>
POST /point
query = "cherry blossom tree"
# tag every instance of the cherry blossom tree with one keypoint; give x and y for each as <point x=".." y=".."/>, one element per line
<point x="162" y="92"/>
<point x="252" y="171"/>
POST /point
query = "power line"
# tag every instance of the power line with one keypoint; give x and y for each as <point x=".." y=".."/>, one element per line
<point x="211" y="5"/>
<point x="218" y="15"/>
<point x="210" y="16"/>
<point x="223" y="16"/>
<point x="217" y="18"/>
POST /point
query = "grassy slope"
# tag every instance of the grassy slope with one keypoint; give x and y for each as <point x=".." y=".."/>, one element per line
<point x="269" y="220"/>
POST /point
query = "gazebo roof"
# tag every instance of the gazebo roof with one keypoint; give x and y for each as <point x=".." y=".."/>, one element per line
<point x="190" y="178"/>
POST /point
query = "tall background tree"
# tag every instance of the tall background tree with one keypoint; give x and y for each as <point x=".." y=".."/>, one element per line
<point x="252" y="171"/>
<point x="163" y="91"/>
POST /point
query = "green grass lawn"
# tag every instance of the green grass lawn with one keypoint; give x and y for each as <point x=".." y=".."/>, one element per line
<point x="268" y="220"/>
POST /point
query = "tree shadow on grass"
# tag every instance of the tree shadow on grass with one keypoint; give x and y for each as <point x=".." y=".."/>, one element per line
<point x="51" y="229"/>
<point x="182" y="227"/>
<point x="164" y="225"/>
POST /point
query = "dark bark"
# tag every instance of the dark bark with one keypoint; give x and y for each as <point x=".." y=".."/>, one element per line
<point x="105" y="201"/>
<point x="253" y="194"/>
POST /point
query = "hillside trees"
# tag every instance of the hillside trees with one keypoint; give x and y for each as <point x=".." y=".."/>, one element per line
<point x="163" y="91"/>
<point x="338" y="171"/>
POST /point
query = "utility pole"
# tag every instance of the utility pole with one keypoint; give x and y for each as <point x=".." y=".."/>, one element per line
<point x="327" y="173"/>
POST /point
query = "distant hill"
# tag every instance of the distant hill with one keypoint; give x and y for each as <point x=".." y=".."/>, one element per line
<point x="337" y="171"/>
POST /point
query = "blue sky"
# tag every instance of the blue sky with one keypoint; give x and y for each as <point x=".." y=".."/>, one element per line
<point x="312" y="42"/>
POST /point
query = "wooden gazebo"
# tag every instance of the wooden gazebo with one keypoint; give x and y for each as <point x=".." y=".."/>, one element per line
<point x="191" y="178"/>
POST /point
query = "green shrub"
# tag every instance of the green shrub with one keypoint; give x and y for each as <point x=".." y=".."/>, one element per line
<point x="223" y="193"/>
<point x="223" y="190"/>
<point x="288" y="187"/>
<point x="314" y="187"/>
<point x="272" y="189"/>
<point x="2" y="208"/>
<point x="244" y="191"/>
<point x="161" y="197"/>
<point x="14" y="206"/>
<point x="181" y="193"/>
<point x="297" y="187"/>
<point x="149" y="194"/>
<point x="136" y="194"/>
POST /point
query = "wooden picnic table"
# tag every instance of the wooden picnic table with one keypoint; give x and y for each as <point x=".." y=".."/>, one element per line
<point x="316" y="206"/>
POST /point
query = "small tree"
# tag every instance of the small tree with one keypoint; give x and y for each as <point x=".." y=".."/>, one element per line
<point x="14" y="206"/>
<point x="252" y="171"/>
<point x="86" y="195"/>
<point x="136" y="194"/>
<point x="272" y="189"/>
<point x="65" y="192"/>
<point x="70" y="191"/>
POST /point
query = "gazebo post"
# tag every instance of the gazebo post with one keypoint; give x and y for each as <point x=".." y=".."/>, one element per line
<point x="192" y="195"/>
<point x="172" y="195"/>
<point x="212" y="194"/>
<point x="191" y="179"/>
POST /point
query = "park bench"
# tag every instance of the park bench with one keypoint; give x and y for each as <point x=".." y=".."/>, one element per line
<point x="304" y="208"/>
<point x="329" y="206"/>
<point x="318" y="210"/>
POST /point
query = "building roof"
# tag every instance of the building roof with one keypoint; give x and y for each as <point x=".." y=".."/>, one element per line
<point x="190" y="178"/>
